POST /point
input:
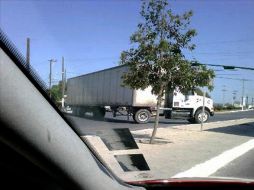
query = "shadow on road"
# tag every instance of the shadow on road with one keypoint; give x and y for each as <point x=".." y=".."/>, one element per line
<point x="131" y="121"/>
<point x="115" y="120"/>
<point x="180" y="122"/>
<point x="246" y="129"/>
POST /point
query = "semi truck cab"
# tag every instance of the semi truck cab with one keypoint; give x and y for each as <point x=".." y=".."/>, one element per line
<point x="187" y="106"/>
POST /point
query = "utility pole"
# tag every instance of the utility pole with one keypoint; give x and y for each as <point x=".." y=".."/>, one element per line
<point x="234" y="97"/>
<point x="243" y="98"/>
<point x="243" y="88"/>
<point x="223" y="96"/>
<point x="51" y="61"/>
<point x="63" y="82"/>
<point x="28" y="54"/>
<point x="203" y="111"/>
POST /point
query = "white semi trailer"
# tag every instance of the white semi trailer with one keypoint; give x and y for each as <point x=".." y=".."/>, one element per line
<point x="103" y="91"/>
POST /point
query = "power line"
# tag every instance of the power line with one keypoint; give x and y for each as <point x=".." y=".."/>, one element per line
<point x="229" y="53"/>
<point x="226" y="41"/>
<point x="234" y="78"/>
<point x="90" y="59"/>
<point x="227" y="67"/>
<point x="227" y="74"/>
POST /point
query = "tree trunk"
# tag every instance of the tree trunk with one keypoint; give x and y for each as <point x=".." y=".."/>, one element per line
<point x="156" y="119"/>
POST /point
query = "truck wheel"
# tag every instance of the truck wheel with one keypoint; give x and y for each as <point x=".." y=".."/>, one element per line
<point x="74" y="111"/>
<point x="142" y="116"/>
<point x="79" y="112"/>
<point x="99" y="113"/>
<point x="199" y="116"/>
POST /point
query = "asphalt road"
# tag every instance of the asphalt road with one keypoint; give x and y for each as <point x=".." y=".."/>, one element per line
<point x="233" y="115"/>
<point x="90" y="126"/>
<point x="241" y="167"/>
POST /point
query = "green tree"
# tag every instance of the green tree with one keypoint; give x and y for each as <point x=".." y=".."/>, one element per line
<point x="157" y="58"/>
<point x="56" y="93"/>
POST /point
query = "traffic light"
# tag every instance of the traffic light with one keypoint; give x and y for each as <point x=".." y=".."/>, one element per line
<point x="195" y="63"/>
<point x="229" y="67"/>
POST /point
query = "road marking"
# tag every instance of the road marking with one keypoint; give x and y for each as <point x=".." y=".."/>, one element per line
<point x="211" y="166"/>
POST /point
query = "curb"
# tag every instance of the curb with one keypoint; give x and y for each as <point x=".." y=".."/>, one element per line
<point x="233" y="111"/>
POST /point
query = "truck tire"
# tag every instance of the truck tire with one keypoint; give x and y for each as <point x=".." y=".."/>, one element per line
<point x="142" y="116"/>
<point x="74" y="111"/>
<point x="198" y="116"/>
<point x="99" y="113"/>
<point x="77" y="111"/>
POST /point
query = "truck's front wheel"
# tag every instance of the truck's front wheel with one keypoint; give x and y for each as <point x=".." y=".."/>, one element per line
<point x="199" y="116"/>
<point x="142" y="116"/>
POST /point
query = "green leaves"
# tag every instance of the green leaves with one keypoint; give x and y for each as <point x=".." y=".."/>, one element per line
<point x="163" y="45"/>
<point x="56" y="92"/>
<point x="158" y="59"/>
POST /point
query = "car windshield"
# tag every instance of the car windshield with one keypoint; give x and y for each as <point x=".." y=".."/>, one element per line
<point x="123" y="73"/>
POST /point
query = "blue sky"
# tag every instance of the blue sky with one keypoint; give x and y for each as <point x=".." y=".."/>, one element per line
<point x="91" y="34"/>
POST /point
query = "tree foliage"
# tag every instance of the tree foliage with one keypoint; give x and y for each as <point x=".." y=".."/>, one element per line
<point x="157" y="58"/>
<point x="56" y="93"/>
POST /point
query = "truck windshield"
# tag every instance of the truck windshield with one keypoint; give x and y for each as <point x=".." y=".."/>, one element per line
<point x="190" y="93"/>
<point x="107" y="66"/>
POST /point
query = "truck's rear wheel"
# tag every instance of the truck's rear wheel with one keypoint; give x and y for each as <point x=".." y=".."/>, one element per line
<point x="142" y="116"/>
<point x="74" y="110"/>
<point x="99" y="113"/>
<point x="199" y="116"/>
<point x="77" y="111"/>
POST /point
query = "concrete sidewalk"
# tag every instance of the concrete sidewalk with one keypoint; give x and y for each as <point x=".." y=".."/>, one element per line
<point x="177" y="148"/>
